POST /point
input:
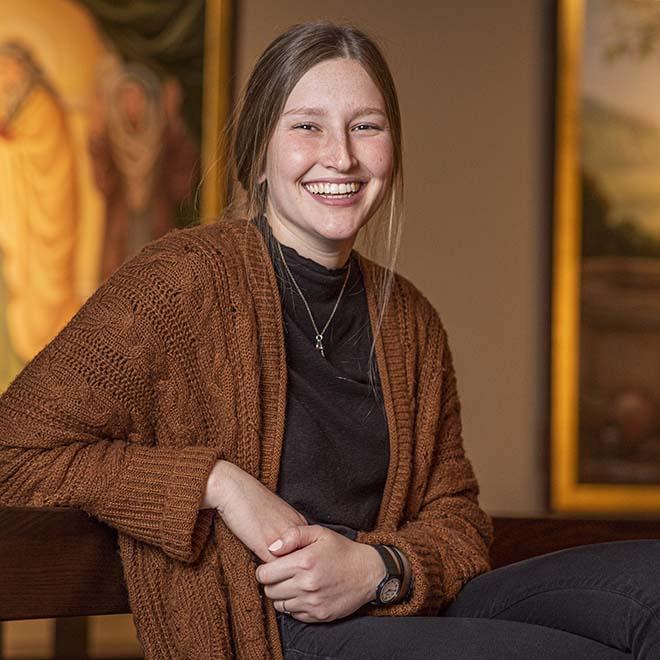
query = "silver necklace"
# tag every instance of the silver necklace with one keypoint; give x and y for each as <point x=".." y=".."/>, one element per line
<point x="319" y="334"/>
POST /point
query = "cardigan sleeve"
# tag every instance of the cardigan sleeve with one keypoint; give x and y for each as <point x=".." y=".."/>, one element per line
<point x="77" y="427"/>
<point x="447" y="540"/>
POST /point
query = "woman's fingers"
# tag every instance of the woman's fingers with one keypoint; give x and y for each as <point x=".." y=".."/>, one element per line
<point x="329" y="578"/>
<point x="278" y="570"/>
<point x="301" y="609"/>
<point x="292" y="545"/>
<point x="290" y="606"/>
<point x="294" y="538"/>
<point x="282" y="590"/>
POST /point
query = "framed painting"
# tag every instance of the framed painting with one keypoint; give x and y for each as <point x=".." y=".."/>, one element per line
<point x="605" y="394"/>
<point x="111" y="119"/>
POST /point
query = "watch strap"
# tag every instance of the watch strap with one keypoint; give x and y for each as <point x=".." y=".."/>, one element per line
<point x="393" y="571"/>
<point x="411" y="577"/>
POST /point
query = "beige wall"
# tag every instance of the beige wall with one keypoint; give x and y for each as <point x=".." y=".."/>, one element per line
<point x="472" y="78"/>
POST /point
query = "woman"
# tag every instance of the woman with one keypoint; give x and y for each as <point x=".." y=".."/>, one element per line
<point x="345" y="531"/>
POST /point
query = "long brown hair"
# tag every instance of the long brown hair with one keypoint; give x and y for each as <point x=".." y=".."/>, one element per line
<point x="276" y="73"/>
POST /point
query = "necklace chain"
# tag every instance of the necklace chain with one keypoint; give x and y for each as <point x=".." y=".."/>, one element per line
<point x="319" y="334"/>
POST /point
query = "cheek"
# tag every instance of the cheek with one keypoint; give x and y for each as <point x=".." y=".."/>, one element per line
<point x="379" y="159"/>
<point x="291" y="158"/>
<point x="301" y="156"/>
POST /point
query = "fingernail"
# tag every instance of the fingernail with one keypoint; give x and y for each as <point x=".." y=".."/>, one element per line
<point x="276" y="545"/>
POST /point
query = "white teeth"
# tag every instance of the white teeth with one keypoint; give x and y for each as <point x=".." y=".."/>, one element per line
<point x="333" y="188"/>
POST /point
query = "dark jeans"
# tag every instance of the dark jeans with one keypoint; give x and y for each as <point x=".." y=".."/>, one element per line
<point x="597" y="602"/>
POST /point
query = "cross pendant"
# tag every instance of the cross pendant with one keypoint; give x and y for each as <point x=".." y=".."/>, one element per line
<point x="319" y="344"/>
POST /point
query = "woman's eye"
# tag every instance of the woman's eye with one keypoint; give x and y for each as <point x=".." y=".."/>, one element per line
<point x="366" y="127"/>
<point x="306" y="127"/>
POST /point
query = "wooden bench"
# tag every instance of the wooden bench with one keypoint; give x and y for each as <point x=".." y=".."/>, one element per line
<point x="62" y="563"/>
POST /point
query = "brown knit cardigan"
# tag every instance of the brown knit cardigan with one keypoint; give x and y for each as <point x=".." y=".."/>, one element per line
<point x="178" y="360"/>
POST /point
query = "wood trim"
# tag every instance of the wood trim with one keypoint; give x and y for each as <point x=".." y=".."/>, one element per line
<point x="517" y="539"/>
<point x="62" y="563"/>
<point x="71" y="637"/>
<point x="216" y="106"/>
<point x="58" y="562"/>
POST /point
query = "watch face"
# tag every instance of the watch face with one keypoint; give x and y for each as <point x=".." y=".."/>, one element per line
<point x="390" y="590"/>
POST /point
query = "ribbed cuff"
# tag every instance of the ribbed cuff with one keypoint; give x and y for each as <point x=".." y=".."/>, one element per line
<point x="158" y="498"/>
<point x="184" y="528"/>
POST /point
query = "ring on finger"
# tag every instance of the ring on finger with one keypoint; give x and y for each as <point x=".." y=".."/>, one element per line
<point x="284" y="607"/>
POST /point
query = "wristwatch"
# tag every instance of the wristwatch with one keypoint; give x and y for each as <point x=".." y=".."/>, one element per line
<point x="389" y="588"/>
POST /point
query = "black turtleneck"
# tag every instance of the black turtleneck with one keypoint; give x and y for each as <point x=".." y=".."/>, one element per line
<point x="335" y="454"/>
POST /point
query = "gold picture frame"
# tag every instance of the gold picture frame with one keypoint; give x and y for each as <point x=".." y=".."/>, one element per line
<point x="216" y="106"/>
<point x="605" y="434"/>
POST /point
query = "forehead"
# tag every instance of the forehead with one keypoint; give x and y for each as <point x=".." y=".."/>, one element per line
<point x="339" y="83"/>
<point x="131" y="86"/>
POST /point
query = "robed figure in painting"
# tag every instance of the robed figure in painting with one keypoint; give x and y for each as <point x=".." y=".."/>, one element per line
<point x="38" y="211"/>
<point x="143" y="158"/>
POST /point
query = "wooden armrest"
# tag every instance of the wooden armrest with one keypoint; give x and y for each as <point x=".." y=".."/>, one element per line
<point x="521" y="538"/>
<point x="57" y="562"/>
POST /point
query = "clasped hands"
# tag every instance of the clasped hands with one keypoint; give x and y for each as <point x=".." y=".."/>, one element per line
<point x="314" y="573"/>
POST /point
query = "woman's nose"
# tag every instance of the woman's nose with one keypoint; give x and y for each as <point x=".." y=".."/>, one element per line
<point x="338" y="153"/>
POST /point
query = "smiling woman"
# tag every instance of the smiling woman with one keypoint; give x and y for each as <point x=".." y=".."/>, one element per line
<point x="329" y="161"/>
<point x="317" y="113"/>
<point x="277" y="440"/>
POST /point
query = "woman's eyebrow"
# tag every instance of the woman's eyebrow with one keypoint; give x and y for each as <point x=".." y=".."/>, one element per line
<point x="368" y="110"/>
<point x="320" y="112"/>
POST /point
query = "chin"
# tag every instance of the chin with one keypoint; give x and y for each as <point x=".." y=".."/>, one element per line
<point x="340" y="230"/>
<point x="339" y="234"/>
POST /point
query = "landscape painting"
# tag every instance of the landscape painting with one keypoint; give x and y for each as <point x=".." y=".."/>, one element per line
<point x="606" y="297"/>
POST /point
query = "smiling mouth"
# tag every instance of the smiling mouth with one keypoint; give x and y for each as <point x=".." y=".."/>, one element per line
<point x="334" y="190"/>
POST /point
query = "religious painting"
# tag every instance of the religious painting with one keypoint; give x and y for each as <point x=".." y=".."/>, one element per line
<point x="111" y="119"/>
<point x="605" y="441"/>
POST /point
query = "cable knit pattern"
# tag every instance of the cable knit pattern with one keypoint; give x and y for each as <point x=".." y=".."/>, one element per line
<point x="178" y="360"/>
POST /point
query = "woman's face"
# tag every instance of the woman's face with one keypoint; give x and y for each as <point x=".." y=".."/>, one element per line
<point x="329" y="162"/>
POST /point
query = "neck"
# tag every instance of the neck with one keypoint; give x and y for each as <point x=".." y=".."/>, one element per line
<point x="331" y="254"/>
